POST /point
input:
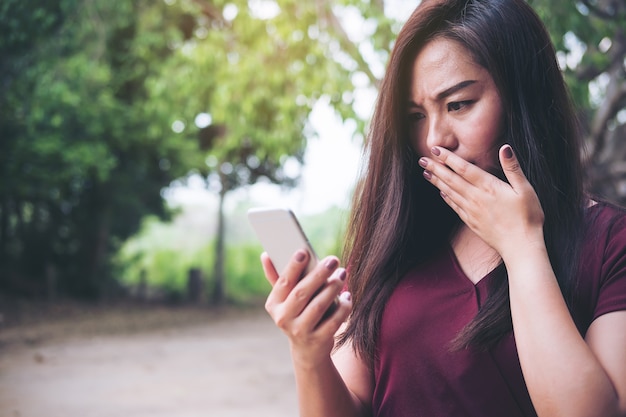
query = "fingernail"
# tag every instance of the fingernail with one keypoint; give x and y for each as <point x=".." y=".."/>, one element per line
<point x="423" y="162"/>
<point x="435" y="151"/>
<point x="332" y="263"/>
<point x="508" y="152"/>
<point x="346" y="296"/>
<point x="342" y="275"/>
<point x="300" y="255"/>
<point x="428" y="175"/>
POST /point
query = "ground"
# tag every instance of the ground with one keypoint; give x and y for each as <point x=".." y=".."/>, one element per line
<point x="140" y="361"/>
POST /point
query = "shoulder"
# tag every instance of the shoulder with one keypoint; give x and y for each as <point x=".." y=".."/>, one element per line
<point x="602" y="279"/>
<point x="604" y="211"/>
<point x="606" y="229"/>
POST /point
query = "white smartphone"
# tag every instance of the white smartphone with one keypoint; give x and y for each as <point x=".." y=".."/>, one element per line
<point x="281" y="236"/>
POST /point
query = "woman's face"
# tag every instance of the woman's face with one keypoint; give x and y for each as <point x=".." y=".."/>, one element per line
<point x="454" y="104"/>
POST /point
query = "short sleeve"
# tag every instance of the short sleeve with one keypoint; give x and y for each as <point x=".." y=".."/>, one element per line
<point x="612" y="291"/>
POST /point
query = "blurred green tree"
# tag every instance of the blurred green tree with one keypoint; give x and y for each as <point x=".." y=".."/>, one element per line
<point x="84" y="154"/>
<point x="590" y="36"/>
<point x="102" y="104"/>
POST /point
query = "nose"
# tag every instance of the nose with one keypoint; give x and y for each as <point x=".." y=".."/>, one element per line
<point x="441" y="134"/>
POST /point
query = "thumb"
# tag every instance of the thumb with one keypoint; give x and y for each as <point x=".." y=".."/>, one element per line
<point x="511" y="167"/>
<point x="268" y="268"/>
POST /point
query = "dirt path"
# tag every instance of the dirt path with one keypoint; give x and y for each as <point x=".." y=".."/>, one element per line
<point x="164" y="362"/>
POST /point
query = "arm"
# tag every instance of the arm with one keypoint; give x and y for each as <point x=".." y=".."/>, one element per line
<point x="565" y="375"/>
<point x="607" y="339"/>
<point x="297" y="306"/>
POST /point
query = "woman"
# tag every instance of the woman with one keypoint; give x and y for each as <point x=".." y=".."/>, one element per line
<point x="484" y="282"/>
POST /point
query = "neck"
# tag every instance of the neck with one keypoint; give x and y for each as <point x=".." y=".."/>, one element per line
<point x="475" y="257"/>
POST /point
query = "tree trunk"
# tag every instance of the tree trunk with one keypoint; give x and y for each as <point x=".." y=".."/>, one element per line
<point x="195" y="286"/>
<point x="4" y="237"/>
<point x="218" y="290"/>
<point x="96" y="241"/>
<point x="4" y="225"/>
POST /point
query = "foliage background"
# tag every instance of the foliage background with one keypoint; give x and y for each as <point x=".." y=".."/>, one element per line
<point x="103" y="104"/>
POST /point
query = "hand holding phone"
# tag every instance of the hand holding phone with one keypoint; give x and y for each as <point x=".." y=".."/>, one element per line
<point x="281" y="236"/>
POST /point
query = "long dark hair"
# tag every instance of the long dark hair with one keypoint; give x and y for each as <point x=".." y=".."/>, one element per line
<point x="399" y="220"/>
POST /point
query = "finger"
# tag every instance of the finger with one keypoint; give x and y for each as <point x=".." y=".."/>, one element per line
<point x="446" y="179"/>
<point x="312" y="282"/>
<point x="511" y="167"/>
<point x="332" y="324"/>
<point x="324" y="301"/>
<point x="453" y="189"/>
<point x="466" y="170"/>
<point x="288" y="278"/>
<point x="268" y="268"/>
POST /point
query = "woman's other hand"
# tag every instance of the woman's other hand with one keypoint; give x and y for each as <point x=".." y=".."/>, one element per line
<point x="503" y="214"/>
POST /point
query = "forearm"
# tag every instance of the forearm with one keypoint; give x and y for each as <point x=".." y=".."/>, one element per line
<point x="563" y="376"/>
<point x="322" y="392"/>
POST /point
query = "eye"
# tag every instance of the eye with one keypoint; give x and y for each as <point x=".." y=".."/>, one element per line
<point x="458" y="105"/>
<point x="416" y="117"/>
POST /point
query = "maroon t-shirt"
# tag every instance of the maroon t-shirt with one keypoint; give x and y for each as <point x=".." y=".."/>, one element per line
<point x="416" y="374"/>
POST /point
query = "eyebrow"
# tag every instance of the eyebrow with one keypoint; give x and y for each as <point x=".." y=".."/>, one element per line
<point x="449" y="91"/>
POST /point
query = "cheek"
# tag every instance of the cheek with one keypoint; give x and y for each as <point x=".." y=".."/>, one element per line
<point x="483" y="137"/>
<point x="482" y="142"/>
<point x="488" y="125"/>
<point x="487" y="128"/>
